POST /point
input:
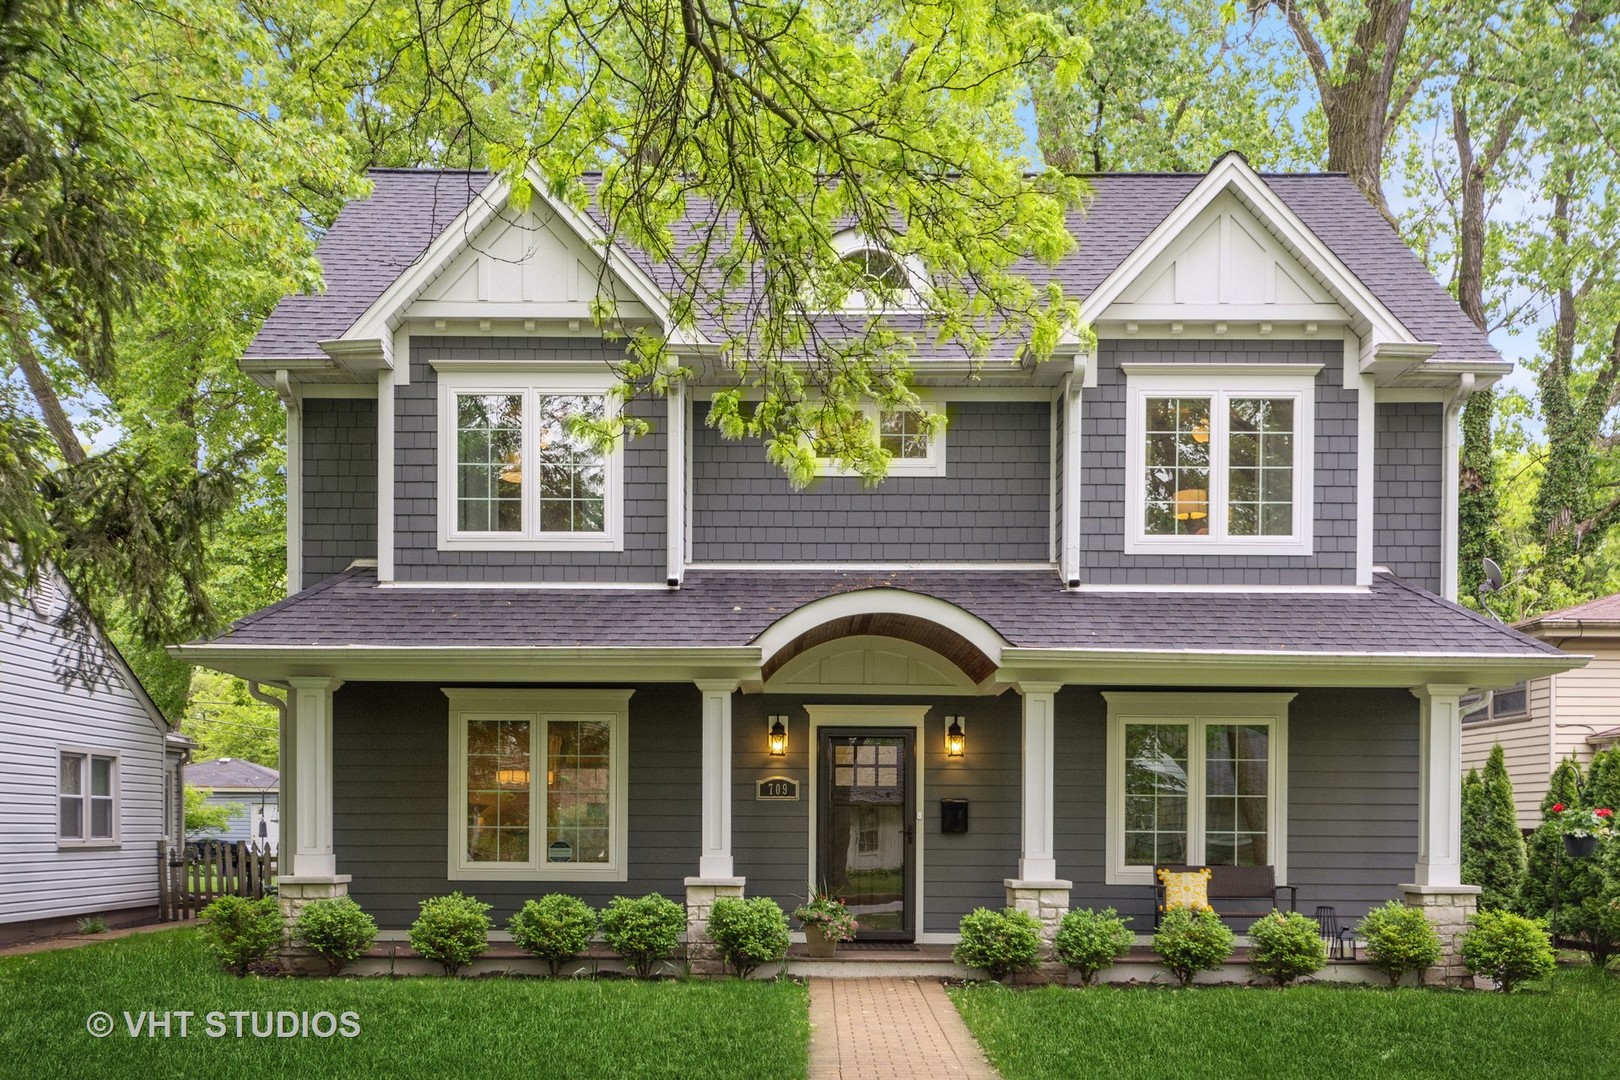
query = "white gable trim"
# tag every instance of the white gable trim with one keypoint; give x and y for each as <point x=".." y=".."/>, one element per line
<point x="1370" y="317"/>
<point x="379" y="320"/>
<point x="880" y="601"/>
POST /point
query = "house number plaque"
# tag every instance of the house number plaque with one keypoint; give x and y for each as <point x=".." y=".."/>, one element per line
<point x="777" y="789"/>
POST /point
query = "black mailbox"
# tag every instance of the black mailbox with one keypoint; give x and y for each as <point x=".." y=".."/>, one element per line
<point x="953" y="815"/>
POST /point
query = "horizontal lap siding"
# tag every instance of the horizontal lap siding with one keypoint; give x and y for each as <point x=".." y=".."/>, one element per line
<point x="416" y="476"/>
<point x="1105" y="487"/>
<point x="38" y="714"/>
<point x="1588" y="697"/>
<point x="1352" y="800"/>
<point x="1407" y="491"/>
<point x="390" y="794"/>
<point x="1526" y="748"/>
<point x="340" y="484"/>
<point x="991" y="506"/>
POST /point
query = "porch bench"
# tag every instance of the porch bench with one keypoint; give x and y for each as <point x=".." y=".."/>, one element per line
<point x="1244" y="892"/>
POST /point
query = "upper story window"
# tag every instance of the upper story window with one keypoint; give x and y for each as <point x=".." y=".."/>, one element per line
<point x="882" y="280"/>
<point x="514" y="474"/>
<point x="901" y="433"/>
<point x="87" y="798"/>
<point x="1220" y="463"/>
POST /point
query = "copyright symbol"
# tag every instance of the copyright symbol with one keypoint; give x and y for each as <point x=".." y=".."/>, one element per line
<point x="99" y="1024"/>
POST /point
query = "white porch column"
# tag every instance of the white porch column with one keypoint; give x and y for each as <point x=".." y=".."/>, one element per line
<point x="715" y="859"/>
<point x="1439" y="785"/>
<point x="1037" y="862"/>
<point x="310" y="753"/>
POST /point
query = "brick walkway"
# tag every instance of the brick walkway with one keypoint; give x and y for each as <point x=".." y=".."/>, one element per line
<point x="889" y="1029"/>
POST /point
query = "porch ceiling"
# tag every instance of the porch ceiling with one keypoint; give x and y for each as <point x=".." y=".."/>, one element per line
<point x="930" y="635"/>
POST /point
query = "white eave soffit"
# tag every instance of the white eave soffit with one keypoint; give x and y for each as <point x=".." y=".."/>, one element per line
<point x="494" y="262"/>
<point x="1233" y="252"/>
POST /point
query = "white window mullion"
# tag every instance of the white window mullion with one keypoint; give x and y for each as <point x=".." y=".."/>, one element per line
<point x="1219" y="418"/>
<point x="540" y="769"/>
<point x="1197" y="775"/>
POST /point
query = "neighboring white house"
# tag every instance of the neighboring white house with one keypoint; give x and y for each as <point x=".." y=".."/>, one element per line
<point x="254" y="790"/>
<point x="91" y="775"/>
<point x="1572" y="714"/>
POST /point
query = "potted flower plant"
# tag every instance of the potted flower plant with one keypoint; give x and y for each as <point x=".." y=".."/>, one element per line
<point x="826" y="922"/>
<point x="1582" y="827"/>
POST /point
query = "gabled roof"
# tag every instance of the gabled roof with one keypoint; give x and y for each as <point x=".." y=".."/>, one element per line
<point x="231" y="774"/>
<point x="1600" y="615"/>
<point x="376" y="239"/>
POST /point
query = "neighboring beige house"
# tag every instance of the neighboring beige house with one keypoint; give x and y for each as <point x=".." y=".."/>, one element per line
<point x="1571" y="714"/>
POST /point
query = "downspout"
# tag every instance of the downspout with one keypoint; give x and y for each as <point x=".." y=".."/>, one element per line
<point x="284" y="826"/>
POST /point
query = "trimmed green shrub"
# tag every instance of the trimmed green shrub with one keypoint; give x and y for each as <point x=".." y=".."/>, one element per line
<point x="1399" y="939"/>
<point x="748" y="933"/>
<point x="1572" y="894"/>
<point x="1499" y="855"/>
<point x="239" y="932"/>
<point x="1088" y="941"/>
<point x="1002" y="942"/>
<point x="1507" y="949"/>
<point x="644" y="931"/>
<point x="1191" y="941"/>
<point x="557" y="928"/>
<point x="454" y="930"/>
<point x="336" y="929"/>
<point x="1286" y="947"/>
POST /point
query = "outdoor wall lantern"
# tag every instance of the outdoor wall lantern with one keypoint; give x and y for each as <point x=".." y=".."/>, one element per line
<point x="776" y="735"/>
<point x="955" y="739"/>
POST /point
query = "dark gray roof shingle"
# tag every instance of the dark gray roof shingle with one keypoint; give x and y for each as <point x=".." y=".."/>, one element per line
<point x="732" y="608"/>
<point x="374" y="239"/>
<point x="227" y="772"/>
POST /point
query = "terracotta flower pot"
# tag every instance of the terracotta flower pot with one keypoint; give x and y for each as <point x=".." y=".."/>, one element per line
<point x="1580" y="847"/>
<point x="820" y="942"/>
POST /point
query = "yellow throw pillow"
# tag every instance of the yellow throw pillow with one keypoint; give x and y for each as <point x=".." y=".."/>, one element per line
<point x="1188" y="889"/>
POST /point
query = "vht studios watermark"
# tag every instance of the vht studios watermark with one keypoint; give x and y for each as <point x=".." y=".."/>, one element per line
<point x="236" y="1024"/>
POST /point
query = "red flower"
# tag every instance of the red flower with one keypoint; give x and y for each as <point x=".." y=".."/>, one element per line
<point x="1558" y="808"/>
<point x="1604" y="812"/>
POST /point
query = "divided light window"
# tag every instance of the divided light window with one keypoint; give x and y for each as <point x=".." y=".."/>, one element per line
<point x="1195" y="779"/>
<point x="538" y="784"/>
<point x="912" y="450"/>
<point x="518" y="476"/>
<point x="1222" y="467"/>
<point x="87" y="788"/>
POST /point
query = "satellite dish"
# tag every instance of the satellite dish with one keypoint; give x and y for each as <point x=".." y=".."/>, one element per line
<point x="1493" y="577"/>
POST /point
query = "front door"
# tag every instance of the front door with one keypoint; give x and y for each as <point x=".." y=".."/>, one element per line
<point x="867" y="828"/>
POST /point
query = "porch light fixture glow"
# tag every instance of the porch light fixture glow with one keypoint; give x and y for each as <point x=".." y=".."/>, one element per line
<point x="955" y="739"/>
<point x="776" y="737"/>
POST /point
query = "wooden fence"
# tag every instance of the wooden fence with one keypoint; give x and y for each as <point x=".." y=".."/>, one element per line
<point x="192" y="876"/>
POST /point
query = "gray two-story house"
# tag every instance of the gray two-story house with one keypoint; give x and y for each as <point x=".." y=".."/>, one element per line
<point x="1181" y="595"/>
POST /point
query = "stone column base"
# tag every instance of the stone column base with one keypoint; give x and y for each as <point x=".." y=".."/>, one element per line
<point x="1048" y="901"/>
<point x="295" y="893"/>
<point x="701" y="893"/>
<point x="1447" y="908"/>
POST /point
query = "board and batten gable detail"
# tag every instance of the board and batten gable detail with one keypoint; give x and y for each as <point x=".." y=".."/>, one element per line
<point x="339" y="484"/>
<point x="1106" y="485"/>
<point x="1408" y="508"/>
<point x="417" y="554"/>
<point x="991" y="506"/>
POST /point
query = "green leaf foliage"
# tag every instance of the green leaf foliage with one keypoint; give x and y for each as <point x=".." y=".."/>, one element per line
<point x="1089" y="941"/>
<point x="204" y="818"/>
<point x="1573" y="894"/>
<point x="1285" y="947"/>
<point x="1189" y="941"/>
<point x="1399" y="939"/>
<point x="646" y="931"/>
<point x="239" y="932"/>
<point x="1493" y="850"/>
<point x="557" y="928"/>
<point x="1506" y="948"/>
<point x="336" y="929"/>
<point x="452" y="930"/>
<point x="748" y="932"/>
<point x="1001" y="942"/>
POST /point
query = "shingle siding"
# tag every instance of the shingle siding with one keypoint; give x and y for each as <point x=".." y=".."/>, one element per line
<point x="416" y="478"/>
<point x="1408" y="500"/>
<point x="1105" y="487"/>
<point x="991" y="506"/>
<point x="340" y="484"/>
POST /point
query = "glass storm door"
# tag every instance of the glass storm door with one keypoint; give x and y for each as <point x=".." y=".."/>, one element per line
<point x="866" y="829"/>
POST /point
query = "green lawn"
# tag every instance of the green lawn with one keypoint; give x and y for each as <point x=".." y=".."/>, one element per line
<point x="408" y="1027"/>
<point x="1566" y="1029"/>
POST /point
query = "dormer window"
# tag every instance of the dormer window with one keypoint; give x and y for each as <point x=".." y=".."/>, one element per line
<point x="515" y="475"/>
<point x="1220" y="463"/>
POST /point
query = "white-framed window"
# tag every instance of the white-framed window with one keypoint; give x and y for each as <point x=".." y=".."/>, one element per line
<point x="897" y="280"/>
<point x="912" y="449"/>
<point x="87" y="797"/>
<point x="512" y="476"/>
<point x="539" y="784"/>
<point x="1198" y="779"/>
<point x="1220" y="461"/>
<point x="1482" y="707"/>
